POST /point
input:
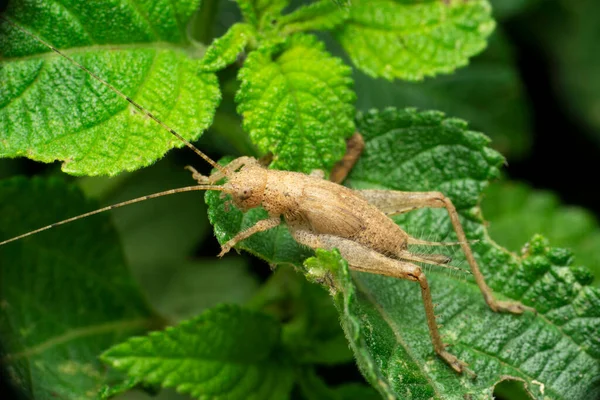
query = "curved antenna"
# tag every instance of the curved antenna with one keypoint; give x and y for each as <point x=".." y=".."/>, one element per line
<point x="119" y="93"/>
<point x="112" y="207"/>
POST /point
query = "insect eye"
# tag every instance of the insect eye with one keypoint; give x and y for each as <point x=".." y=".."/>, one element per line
<point x="246" y="193"/>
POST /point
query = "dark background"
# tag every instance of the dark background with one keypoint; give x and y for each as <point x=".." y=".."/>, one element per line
<point x="564" y="147"/>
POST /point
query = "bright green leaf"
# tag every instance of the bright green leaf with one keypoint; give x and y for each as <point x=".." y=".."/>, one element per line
<point x="225" y="50"/>
<point x="516" y="212"/>
<point x="297" y="102"/>
<point x="260" y="13"/>
<point x="414" y="39"/>
<point x="66" y="294"/>
<point x="384" y="318"/>
<point x="51" y="110"/>
<point x="225" y="353"/>
<point x="321" y="15"/>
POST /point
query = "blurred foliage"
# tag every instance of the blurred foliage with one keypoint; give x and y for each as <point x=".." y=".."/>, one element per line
<point x="168" y="242"/>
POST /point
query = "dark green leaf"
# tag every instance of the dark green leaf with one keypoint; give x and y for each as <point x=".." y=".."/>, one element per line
<point x="414" y="39"/>
<point x="313" y="388"/>
<point x="488" y="93"/>
<point x="296" y="101"/>
<point x="66" y="294"/>
<point x="225" y="353"/>
<point x="384" y="317"/>
<point x="51" y="110"/>
<point x="311" y="330"/>
<point x="570" y="31"/>
<point x="516" y="212"/>
<point x="509" y="8"/>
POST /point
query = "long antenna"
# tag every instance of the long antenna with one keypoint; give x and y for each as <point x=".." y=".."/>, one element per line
<point x="118" y="92"/>
<point x="112" y="207"/>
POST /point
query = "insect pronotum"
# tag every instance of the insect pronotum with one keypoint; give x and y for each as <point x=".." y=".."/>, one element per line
<point x="324" y="214"/>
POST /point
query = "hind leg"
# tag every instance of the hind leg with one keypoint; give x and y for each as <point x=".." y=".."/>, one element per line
<point x="394" y="202"/>
<point x="363" y="259"/>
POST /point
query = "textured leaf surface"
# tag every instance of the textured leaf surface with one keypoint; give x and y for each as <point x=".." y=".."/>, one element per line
<point x="51" y="110"/>
<point x="516" y="212"/>
<point x="411" y="40"/>
<point x="225" y="50"/>
<point x="259" y="13"/>
<point x="321" y="15"/>
<point x="488" y="93"/>
<point x="225" y="353"/>
<point x="383" y="317"/>
<point x="297" y="102"/>
<point x="66" y="294"/>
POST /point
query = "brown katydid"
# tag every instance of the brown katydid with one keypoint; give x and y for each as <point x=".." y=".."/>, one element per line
<point x="324" y="214"/>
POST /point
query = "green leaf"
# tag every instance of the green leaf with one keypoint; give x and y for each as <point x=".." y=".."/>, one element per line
<point x="321" y="15"/>
<point x="297" y="102"/>
<point x="66" y="294"/>
<point x="225" y="50"/>
<point x="313" y="388"/>
<point x="260" y="13"/>
<point x="51" y="110"/>
<point x="516" y="212"/>
<point x="311" y="331"/>
<point x="509" y="8"/>
<point x="569" y="33"/>
<point x="225" y="353"/>
<point x="384" y="318"/>
<point x="411" y="40"/>
<point x="491" y="79"/>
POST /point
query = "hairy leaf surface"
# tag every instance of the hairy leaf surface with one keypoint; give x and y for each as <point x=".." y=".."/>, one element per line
<point x="320" y="15"/>
<point x="225" y="353"/>
<point x="66" y="294"/>
<point x="414" y="39"/>
<point x="225" y="50"/>
<point x="51" y="110"/>
<point x="384" y="318"/>
<point x="297" y="102"/>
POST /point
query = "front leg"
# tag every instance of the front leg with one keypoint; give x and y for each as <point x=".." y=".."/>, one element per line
<point x="260" y="226"/>
<point x="395" y="202"/>
<point x="363" y="259"/>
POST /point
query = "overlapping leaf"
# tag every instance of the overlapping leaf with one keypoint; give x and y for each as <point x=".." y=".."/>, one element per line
<point x="384" y="318"/>
<point x="320" y="15"/>
<point x="516" y="212"/>
<point x="225" y="353"/>
<point x="488" y="93"/>
<point x="225" y="50"/>
<point x="296" y="102"/>
<point x="51" y="110"/>
<point x="260" y="13"/>
<point x="66" y="294"/>
<point x="414" y="39"/>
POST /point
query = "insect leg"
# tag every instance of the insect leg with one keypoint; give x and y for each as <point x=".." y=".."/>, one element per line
<point x="389" y="200"/>
<point x="260" y="226"/>
<point x="363" y="259"/>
